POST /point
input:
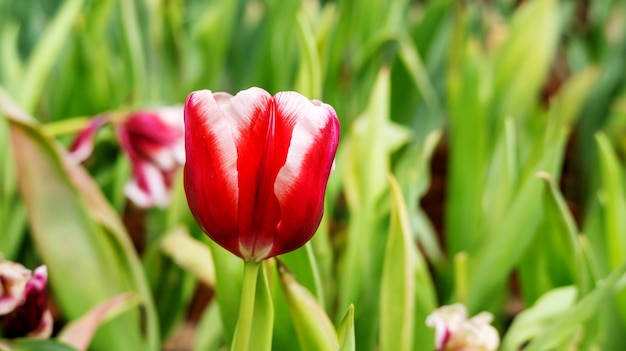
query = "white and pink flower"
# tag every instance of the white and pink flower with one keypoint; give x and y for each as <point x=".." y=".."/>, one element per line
<point x="455" y="332"/>
<point x="153" y="140"/>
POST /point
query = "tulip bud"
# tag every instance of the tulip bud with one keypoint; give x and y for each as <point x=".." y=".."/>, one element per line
<point x="454" y="332"/>
<point x="29" y="315"/>
<point x="257" y="168"/>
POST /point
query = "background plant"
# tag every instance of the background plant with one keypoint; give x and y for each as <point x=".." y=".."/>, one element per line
<point x="481" y="162"/>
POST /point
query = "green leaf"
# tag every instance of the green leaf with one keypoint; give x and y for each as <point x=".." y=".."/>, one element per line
<point x="558" y="332"/>
<point x="366" y="189"/>
<point x="565" y="241"/>
<point x="209" y="331"/>
<point x="398" y="282"/>
<point x="42" y="59"/>
<point x="83" y="227"/>
<point x="407" y="292"/>
<point x="345" y="332"/>
<point x="502" y="245"/>
<point x="614" y="205"/>
<point x="614" y="202"/>
<point x="228" y="278"/>
<point x="303" y="264"/>
<point x="263" y="317"/>
<point x="313" y="327"/>
<point x="191" y="254"/>
<point x="309" y="80"/>
<point x="28" y="344"/>
<point x="469" y="91"/>
<point x="532" y="321"/>
<point x="522" y="62"/>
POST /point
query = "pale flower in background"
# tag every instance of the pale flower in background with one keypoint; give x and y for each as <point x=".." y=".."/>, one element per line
<point x="455" y="332"/>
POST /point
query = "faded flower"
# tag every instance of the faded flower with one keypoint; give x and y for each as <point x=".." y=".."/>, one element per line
<point x="455" y="332"/>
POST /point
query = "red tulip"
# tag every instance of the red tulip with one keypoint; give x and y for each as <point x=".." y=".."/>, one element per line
<point x="257" y="168"/>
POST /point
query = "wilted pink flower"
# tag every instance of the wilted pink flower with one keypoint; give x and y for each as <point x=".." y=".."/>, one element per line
<point x="257" y="168"/>
<point x="455" y="332"/>
<point x="29" y="315"/>
<point x="13" y="280"/>
<point x="153" y="140"/>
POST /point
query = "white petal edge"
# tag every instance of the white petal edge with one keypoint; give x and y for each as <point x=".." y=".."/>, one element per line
<point x="157" y="193"/>
<point x="311" y="117"/>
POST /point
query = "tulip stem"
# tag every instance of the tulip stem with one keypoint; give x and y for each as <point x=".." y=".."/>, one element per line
<point x="246" y="307"/>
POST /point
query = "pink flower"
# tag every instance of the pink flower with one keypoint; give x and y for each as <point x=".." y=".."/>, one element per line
<point x="257" y="168"/>
<point x="24" y="309"/>
<point x="13" y="280"/>
<point x="455" y="332"/>
<point x="153" y="140"/>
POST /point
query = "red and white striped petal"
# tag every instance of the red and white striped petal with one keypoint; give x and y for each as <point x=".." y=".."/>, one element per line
<point x="211" y="177"/>
<point x="301" y="182"/>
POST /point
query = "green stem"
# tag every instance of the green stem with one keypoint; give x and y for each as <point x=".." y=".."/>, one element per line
<point x="66" y="126"/>
<point x="460" y="277"/>
<point x="246" y="307"/>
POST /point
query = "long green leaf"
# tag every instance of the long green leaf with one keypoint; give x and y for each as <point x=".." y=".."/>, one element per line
<point x="42" y="59"/>
<point x="345" y="332"/>
<point x="82" y="227"/>
<point x="314" y="328"/>
<point x="559" y="332"/>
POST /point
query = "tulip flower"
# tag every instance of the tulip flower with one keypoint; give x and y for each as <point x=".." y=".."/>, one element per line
<point x="255" y="177"/>
<point x="154" y="143"/>
<point x="257" y="168"/>
<point x="153" y="140"/>
<point x="23" y="301"/>
<point x="455" y="332"/>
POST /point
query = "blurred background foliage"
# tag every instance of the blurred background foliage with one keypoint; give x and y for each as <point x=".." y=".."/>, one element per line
<point x="481" y="161"/>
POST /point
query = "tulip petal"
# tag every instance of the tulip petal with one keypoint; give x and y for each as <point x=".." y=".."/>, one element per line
<point x="211" y="179"/>
<point x="149" y="186"/>
<point x="156" y="135"/>
<point x="82" y="147"/>
<point x="301" y="182"/>
<point x="262" y="142"/>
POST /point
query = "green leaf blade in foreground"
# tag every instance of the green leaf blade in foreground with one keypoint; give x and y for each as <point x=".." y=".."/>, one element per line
<point x="503" y="245"/>
<point x="263" y="316"/>
<point x="62" y="203"/>
<point x="49" y="46"/>
<point x="398" y="282"/>
<point x="557" y="333"/>
<point x="313" y="327"/>
<point x="345" y="332"/>
<point x="611" y="173"/>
